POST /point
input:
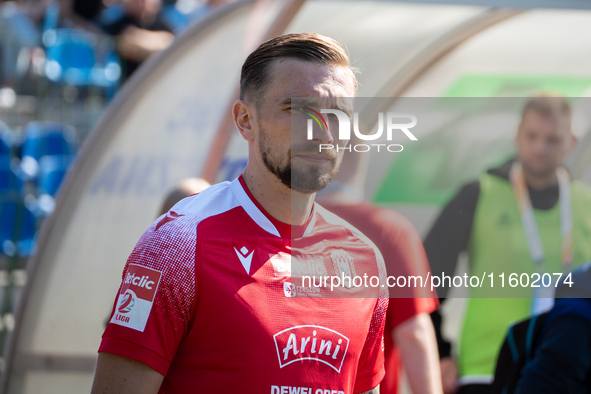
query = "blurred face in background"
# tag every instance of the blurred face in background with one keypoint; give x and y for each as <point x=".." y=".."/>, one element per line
<point x="543" y="142"/>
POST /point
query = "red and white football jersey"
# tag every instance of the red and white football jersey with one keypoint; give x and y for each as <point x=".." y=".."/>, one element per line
<point x="213" y="300"/>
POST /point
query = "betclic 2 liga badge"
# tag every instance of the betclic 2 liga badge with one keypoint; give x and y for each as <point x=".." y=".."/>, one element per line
<point x="136" y="297"/>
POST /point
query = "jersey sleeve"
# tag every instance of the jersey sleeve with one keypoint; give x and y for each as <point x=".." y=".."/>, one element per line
<point x="155" y="301"/>
<point x="371" y="371"/>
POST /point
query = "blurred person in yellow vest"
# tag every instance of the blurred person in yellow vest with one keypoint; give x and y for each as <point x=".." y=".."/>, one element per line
<point x="526" y="216"/>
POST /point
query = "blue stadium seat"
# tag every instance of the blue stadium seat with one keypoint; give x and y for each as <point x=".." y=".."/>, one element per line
<point x="70" y="57"/>
<point x="5" y="139"/>
<point x="4" y="146"/>
<point x="26" y="231"/>
<point x="10" y="183"/>
<point x="45" y="139"/>
<point x="73" y="58"/>
<point x="174" y="18"/>
<point x="52" y="172"/>
<point x="78" y="57"/>
<point x="10" y="186"/>
<point x="53" y="169"/>
<point x="49" y="138"/>
<point x="8" y="210"/>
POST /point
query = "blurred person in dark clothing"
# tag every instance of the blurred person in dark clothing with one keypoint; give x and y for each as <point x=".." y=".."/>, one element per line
<point x="66" y="16"/>
<point x="22" y="25"/>
<point x="562" y="360"/>
<point x="139" y="29"/>
<point x="88" y="9"/>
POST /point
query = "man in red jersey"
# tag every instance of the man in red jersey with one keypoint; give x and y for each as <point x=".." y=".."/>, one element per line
<point x="409" y="335"/>
<point x="208" y="303"/>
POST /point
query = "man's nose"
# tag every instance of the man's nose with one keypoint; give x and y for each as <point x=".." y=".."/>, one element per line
<point x="542" y="146"/>
<point x="323" y="133"/>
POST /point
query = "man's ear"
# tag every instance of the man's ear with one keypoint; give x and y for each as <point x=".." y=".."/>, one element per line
<point x="518" y="132"/>
<point x="243" y="119"/>
<point x="573" y="141"/>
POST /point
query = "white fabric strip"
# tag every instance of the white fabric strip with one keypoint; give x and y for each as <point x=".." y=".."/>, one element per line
<point x="253" y="211"/>
<point x="543" y="298"/>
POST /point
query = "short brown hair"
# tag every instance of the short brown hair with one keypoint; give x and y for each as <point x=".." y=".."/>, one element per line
<point x="550" y="105"/>
<point x="310" y="47"/>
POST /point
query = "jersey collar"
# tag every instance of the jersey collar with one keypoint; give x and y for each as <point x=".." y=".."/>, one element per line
<point x="267" y="222"/>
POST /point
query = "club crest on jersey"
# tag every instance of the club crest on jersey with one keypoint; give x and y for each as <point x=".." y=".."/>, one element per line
<point x="342" y="263"/>
<point x="301" y="343"/>
<point x="136" y="297"/>
<point x="289" y="289"/>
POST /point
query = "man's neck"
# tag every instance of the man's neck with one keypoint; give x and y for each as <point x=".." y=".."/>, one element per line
<point x="277" y="199"/>
<point x="537" y="182"/>
<point x="340" y="193"/>
<point x="337" y="197"/>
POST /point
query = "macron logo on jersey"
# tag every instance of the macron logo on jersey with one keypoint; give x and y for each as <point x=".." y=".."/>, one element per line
<point x="245" y="258"/>
<point x="136" y="297"/>
<point x="309" y="342"/>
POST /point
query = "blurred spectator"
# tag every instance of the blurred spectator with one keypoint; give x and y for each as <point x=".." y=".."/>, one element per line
<point x="140" y="30"/>
<point x="21" y="27"/>
<point x="18" y="37"/>
<point x="409" y="338"/>
<point x="41" y="13"/>
<point x="525" y="216"/>
<point x="185" y="189"/>
<point x="88" y="9"/>
<point x="562" y="362"/>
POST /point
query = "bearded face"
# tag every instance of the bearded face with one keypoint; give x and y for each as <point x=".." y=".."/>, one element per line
<point x="293" y="168"/>
<point x="542" y="143"/>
